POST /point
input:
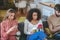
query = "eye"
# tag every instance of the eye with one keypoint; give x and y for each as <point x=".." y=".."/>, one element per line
<point x="58" y="11"/>
<point x="12" y="15"/>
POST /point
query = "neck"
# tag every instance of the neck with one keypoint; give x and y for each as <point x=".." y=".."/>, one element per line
<point x="34" y="20"/>
<point x="10" y="20"/>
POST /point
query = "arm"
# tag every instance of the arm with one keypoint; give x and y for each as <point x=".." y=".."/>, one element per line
<point x="42" y="25"/>
<point x="13" y="28"/>
<point x="58" y="26"/>
<point x="26" y="27"/>
<point x="3" y="31"/>
<point x="52" y="28"/>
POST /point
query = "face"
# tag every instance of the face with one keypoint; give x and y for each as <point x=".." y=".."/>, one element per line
<point x="34" y="16"/>
<point x="11" y="16"/>
<point x="57" y="13"/>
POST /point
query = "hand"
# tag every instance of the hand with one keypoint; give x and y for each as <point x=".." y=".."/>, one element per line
<point x="11" y="29"/>
<point x="15" y="26"/>
<point x="33" y="31"/>
<point x="58" y="26"/>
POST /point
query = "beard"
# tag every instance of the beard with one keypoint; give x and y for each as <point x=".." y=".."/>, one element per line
<point x="57" y="15"/>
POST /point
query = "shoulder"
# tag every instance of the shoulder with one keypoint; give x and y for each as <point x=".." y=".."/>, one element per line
<point x="51" y="17"/>
<point x="15" y="21"/>
<point x="4" y="22"/>
<point x="40" y="21"/>
<point x="26" y="20"/>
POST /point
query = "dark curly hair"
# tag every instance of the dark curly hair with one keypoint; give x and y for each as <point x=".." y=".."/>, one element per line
<point x="57" y="7"/>
<point x="31" y="11"/>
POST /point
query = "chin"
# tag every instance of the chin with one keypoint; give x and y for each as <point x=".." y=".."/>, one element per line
<point x="58" y="15"/>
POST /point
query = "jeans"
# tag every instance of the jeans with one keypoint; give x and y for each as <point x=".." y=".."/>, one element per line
<point x="37" y="36"/>
<point x="57" y="36"/>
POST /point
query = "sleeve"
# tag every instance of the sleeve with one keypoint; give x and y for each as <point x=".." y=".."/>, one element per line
<point x="14" y="28"/>
<point x="26" y="27"/>
<point x="16" y="23"/>
<point x="3" y="32"/>
<point x="40" y="22"/>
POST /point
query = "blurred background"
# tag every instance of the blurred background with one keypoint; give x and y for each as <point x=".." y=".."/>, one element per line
<point x="23" y="7"/>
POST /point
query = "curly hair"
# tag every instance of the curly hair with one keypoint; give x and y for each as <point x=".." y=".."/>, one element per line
<point x="31" y="11"/>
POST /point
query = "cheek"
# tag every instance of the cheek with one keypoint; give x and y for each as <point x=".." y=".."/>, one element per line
<point x="34" y="17"/>
<point x="9" y="17"/>
<point x="12" y="17"/>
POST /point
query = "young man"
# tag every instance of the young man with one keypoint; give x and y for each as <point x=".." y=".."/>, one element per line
<point x="54" y="21"/>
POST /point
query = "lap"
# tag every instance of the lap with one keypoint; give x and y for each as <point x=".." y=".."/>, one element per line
<point x="38" y="35"/>
<point x="57" y="36"/>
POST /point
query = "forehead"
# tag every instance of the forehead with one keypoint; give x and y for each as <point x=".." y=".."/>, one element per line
<point x="34" y="12"/>
<point x="11" y="13"/>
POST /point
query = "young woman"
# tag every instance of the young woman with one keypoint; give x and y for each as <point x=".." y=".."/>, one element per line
<point x="9" y="26"/>
<point x="33" y="25"/>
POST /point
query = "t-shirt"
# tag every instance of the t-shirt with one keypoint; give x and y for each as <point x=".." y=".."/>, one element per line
<point x="55" y="21"/>
<point x="29" y="27"/>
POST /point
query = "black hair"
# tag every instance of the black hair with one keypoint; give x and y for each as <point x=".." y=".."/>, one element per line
<point x="31" y="11"/>
<point x="57" y="7"/>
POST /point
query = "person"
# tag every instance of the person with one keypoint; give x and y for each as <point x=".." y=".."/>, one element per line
<point x="54" y="21"/>
<point x="9" y="26"/>
<point x="31" y="23"/>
